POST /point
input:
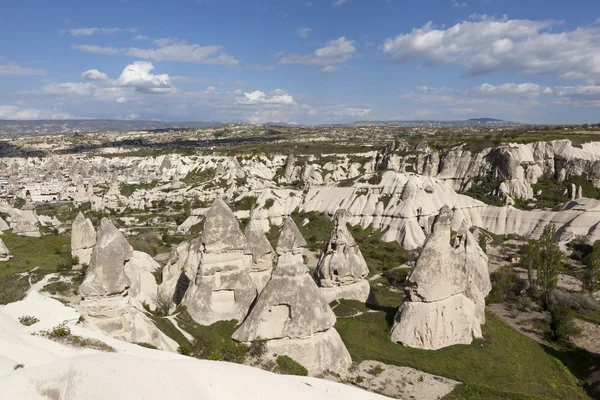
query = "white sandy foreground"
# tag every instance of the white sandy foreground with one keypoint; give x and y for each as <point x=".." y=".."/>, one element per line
<point x="53" y="371"/>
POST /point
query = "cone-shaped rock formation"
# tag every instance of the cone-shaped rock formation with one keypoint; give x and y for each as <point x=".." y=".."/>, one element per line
<point x="4" y="252"/>
<point x="83" y="239"/>
<point x="116" y="283"/>
<point x="292" y="314"/>
<point x="445" y="291"/>
<point x="341" y="270"/>
<point x="221" y="289"/>
<point x="27" y="222"/>
<point x="259" y="254"/>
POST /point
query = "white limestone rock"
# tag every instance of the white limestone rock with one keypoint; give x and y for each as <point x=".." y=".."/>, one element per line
<point x="259" y="254"/>
<point x="342" y="265"/>
<point x="27" y="222"/>
<point x="445" y="290"/>
<point x="83" y="239"/>
<point x="4" y="252"/>
<point x="292" y="314"/>
<point x="222" y="288"/>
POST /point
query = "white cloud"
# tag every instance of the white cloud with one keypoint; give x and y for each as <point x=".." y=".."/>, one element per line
<point x="339" y="3"/>
<point x="92" y="48"/>
<point x="304" y="32"/>
<point x="329" y="69"/>
<point x="94" y="75"/>
<point x="14" y="112"/>
<point x="458" y="4"/>
<point x="342" y="112"/>
<point x="529" y="89"/>
<point x="12" y="68"/>
<point x="278" y="96"/>
<point x="138" y="76"/>
<point x="140" y="37"/>
<point x="337" y="51"/>
<point x="168" y="50"/>
<point x="491" y="44"/>
<point x="93" y="31"/>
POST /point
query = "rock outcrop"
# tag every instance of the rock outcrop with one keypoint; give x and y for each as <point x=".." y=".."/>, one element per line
<point x="4" y="252"/>
<point x="221" y="289"/>
<point x="341" y="270"/>
<point x="83" y="239"/>
<point x="259" y="254"/>
<point x="116" y="283"/>
<point x="27" y="222"/>
<point x="445" y="291"/>
<point x="292" y="314"/>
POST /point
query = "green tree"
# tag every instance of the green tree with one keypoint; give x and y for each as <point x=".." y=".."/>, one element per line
<point x="549" y="262"/>
<point x="530" y="259"/>
<point x="592" y="275"/>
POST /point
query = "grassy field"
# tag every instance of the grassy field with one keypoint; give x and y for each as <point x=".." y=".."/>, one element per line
<point x="46" y="253"/>
<point x="504" y="365"/>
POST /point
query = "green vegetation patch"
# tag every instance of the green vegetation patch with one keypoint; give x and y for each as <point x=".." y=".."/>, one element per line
<point x="289" y="366"/>
<point x="49" y="253"/>
<point x="505" y="361"/>
<point x="127" y="189"/>
<point x="13" y="288"/>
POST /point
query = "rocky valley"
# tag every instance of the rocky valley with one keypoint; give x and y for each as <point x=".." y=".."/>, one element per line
<point x="395" y="259"/>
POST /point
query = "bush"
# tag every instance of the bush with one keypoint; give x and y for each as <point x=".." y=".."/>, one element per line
<point x="59" y="331"/>
<point x="506" y="285"/>
<point x="576" y="301"/>
<point x="258" y="348"/>
<point x="28" y="320"/>
<point x="562" y="323"/>
<point x="13" y="288"/>
<point x="288" y="366"/>
<point x="525" y="303"/>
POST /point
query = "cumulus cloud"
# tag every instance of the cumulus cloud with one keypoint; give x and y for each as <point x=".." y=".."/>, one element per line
<point x="169" y="50"/>
<point x="335" y="52"/>
<point x="138" y="76"/>
<point x="92" y="48"/>
<point x="304" y="32"/>
<point x="278" y="96"/>
<point x="490" y="44"/>
<point x="94" y="75"/>
<point x="458" y="4"/>
<point x="12" y="68"/>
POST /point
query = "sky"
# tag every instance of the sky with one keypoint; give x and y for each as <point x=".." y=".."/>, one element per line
<point x="301" y="61"/>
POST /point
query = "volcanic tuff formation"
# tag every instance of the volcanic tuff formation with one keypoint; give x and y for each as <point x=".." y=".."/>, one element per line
<point x="83" y="239"/>
<point x="259" y="254"/>
<point x="4" y="252"/>
<point x="27" y="222"/>
<point x="116" y="283"/>
<point x="292" y="314"/>
<point x="445" y="291"/>
<point x="341" y="270"/>
<point x="222" y="288"/>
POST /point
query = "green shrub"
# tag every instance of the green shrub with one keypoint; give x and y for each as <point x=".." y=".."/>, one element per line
<point x="13" y="288"/>
<point x="59" y="331"/>
<point x="375" y="179"/>
<point x="288" y="366"/>
<point x="505" y="285"/>
<point x="562" y="323"/>
<point x="18" y="366"/>
<point x="28" y="320"/>
<point x="258" y="348"/>
<point x="269" y="203"/>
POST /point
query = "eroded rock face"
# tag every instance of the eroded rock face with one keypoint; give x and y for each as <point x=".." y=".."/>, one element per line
<point x="27" y="222"/>
<point x="221" y="289"/>
<point x="445" y="290"/>
<point x="83" y="239"/>
<point x="292" y="314"/>
<point x="105" y="275"/>
<point x="117" y="283"/>
<point x="341" y="270"/>
<point x="4" y="252"/>
<point x="259" y="254"/>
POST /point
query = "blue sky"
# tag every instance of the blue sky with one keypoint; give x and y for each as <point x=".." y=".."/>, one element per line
<point x="306" y="61"/>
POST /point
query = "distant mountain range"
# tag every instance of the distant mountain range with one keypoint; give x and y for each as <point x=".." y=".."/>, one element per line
<point x="46" y="127"/>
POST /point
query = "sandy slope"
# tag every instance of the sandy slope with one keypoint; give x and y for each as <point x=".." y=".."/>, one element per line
<point x="55" y="372"/>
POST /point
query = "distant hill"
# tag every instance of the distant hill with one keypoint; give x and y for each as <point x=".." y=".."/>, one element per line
<point x="468" y="122"/>
<point x="46" y="127"/>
